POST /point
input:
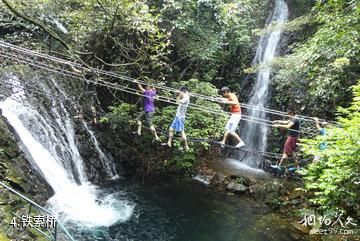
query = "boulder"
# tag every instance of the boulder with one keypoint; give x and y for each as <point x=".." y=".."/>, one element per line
<point x="268" y="191"/>
<point x="236" y="187"/>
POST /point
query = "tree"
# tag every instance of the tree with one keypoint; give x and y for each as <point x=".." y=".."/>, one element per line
<point x="334" y="180"/>
<point x="321" y="68"/>
<point x="208" y="36"/>
<point x="125" y="36"/>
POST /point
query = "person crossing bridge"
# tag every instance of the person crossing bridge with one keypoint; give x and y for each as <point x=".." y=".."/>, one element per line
<point x="233" y="122"/>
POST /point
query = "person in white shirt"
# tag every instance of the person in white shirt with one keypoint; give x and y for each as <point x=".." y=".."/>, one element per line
<point x="178" y="123"/>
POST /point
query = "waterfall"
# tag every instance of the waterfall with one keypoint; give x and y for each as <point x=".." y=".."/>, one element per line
<point x="107" y="161"/>
<point x="255" y="135"/>
<point x="48" y="136"/>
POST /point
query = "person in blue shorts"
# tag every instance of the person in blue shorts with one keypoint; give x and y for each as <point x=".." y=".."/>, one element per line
<point x="183" y="99"/>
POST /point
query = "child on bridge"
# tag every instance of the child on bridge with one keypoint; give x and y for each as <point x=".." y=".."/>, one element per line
<point x="178" y="123"/>
<point x="149" y="109"/>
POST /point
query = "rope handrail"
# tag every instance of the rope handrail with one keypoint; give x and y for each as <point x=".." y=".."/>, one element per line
<point x="192" y="139"/>
<point x="126" y="78"/>
<point x="135" y="91"/>
<point x="39" y="207"/>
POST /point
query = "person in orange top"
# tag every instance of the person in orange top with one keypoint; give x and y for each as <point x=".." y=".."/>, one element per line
<point x="233" y="122"/>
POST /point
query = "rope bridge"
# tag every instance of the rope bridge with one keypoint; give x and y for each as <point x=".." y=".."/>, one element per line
<point x="78" y="72"/>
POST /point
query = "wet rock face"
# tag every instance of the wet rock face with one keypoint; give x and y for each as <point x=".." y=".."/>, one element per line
<point x="93" y="164"/>
<point x="87" y="151"/>
<point x="17" y="172"/>
<point x="118" y="145"/>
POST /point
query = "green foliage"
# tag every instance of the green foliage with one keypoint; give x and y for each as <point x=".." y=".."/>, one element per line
<point x="211" y="40"/>
<point x="335" y="178"/>
<point x="123" y="34"/>
<point x="290" y="26"/>
<point x="207" y="33"/>
<point x="120" y="116"/>
<point x="3" y="237"/>
<point x="319" y="71"/>
<point x="277" y="203"/>
<point x="184" y="160"/>
<point x="148" y="39"/>
<point x="206" y="24"/>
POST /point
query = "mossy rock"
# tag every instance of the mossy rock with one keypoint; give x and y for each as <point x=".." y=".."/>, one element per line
<point x="3" y="237"/>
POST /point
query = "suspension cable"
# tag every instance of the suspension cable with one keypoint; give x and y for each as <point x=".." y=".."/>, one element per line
<point x="111" y="74"/>
<point x="130" y="90"/>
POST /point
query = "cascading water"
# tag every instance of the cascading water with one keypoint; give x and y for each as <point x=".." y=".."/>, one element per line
<point x="255" y="135"/>
<point x="48" y="135"/>
<point x="106" y="160"/>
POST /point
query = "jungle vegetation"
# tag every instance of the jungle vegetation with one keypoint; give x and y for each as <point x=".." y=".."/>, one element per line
<point x="205" y="44"/>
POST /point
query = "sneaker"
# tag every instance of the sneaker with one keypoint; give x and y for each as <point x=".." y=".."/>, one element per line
<point x="222" y="144"/>
<point x="275" y="167"/>
<point x="292" y="169"/>
<point x="240" y="144"/>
